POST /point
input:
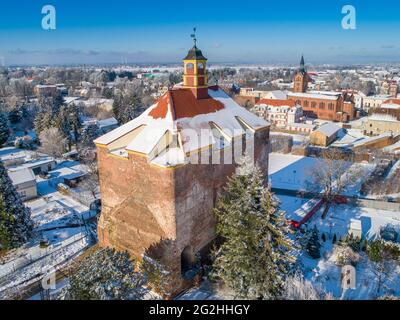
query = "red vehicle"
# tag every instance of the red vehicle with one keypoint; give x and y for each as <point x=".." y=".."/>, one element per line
<point x="306" y="211"/>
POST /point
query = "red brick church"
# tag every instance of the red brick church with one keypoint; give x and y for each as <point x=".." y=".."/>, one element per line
<point x="160" y="173"/>
<point x="326" y="105"/>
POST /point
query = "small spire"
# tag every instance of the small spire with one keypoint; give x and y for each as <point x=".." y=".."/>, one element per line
<point x="302" y="64"/>
<point x="193" y="36"/>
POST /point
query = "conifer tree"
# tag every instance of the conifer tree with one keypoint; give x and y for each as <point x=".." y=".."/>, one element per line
<point x="313" y="246"/>
<point x="75" y="120"/>
<point x="91" y="132"/>
<point x="15" y="219"/>
<point x="105" y="274"/>
<point x="254" y="255"/>
<point x="4" y="129"/>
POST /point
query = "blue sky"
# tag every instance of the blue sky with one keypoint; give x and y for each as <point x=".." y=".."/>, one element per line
<point x="228" y="31"/>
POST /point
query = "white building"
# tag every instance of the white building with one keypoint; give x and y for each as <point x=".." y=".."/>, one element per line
<point x="374" y="101"/>
<point x="281" y="113"/>
<point x="24" y="182"/>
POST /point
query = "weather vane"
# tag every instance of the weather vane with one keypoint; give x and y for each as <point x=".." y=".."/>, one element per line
<point x="193" y="35"/>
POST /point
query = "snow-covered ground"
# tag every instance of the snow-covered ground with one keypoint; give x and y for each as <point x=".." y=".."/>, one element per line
<point x="291" y="172"/>
<point x="323" y="272"/>
<point x="59" y="219"/>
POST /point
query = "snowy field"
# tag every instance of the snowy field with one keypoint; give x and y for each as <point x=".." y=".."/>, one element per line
<point x="291" y="172"/>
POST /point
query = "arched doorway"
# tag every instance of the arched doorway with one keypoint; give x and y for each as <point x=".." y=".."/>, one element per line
<point x="187" y="259"/>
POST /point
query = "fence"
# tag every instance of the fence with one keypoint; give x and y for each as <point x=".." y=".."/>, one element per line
<point x="82" y="197"/>
<point x="37" y="265"/>
<point x="375" y="204"/>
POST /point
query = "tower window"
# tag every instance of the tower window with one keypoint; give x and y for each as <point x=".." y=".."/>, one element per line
<point x="190" y="68"/>
<point x="200" y="68"/>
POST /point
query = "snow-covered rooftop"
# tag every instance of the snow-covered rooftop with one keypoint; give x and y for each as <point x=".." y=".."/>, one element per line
<point x="21" y="176"/>
<point x="329" y="129"/>
<point x="191" y="123"/>
<point x="383" y="117"/>
<point x="315" y="96"/>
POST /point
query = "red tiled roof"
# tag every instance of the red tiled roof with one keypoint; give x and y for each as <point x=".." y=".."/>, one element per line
<point x="184" y="105"/>
<point x="277" y="102"/>
<point x="394" y="101"/>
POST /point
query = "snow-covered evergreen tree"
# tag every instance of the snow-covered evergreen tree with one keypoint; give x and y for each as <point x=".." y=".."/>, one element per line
<point x="15" y="219"/>
<point x="90" y="133"/>
<point x="313" y="245"/>
<point x="254" y="254"/>
<point x="4" y="129"/>
<point x="127" y="107"/>
<point x="105" y="274"/>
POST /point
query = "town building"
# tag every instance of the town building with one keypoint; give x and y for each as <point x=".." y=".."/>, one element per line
<point x="325" y="135"/>
<point x="325" y="105"/>
<point x="385" y="118"/>
<point x="304" y="128"/>
<point x="24" y="182"/>
<point x="371" y="102"/>
<point x="160" y="174"/>
<point x="280" y="113"/>
<point x="389" y="87"/>
<point x="45" y="90"/>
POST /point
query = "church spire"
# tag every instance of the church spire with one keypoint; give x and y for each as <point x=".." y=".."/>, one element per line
<point x="302" y="64"/>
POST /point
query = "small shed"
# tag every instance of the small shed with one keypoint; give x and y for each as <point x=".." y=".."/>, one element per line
<point x="355" y="228"/>
<point x="348" y="277"/>
<point x="325" y="134"/>
<point x="24" y="182"/>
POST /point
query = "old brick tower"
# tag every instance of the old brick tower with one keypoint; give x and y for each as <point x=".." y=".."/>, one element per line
<point x="161" y="172"/>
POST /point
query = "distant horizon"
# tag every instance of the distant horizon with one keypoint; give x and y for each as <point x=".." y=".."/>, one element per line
<point x="259" y="32"/>
<point x="210" y="63"/>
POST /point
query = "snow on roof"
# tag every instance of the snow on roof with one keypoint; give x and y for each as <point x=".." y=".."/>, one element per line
<point x="276" y="102"/>
<point x="348" y="138"/>
<point x="145" y="141"/>
<point x="314" y="96"/>
<point x="69" y="100"/>
<point x="170" y="158"/>
<point x="355" y="224"/>
<point x="278" y="94"/>
<point x="302" y="125"/>
<point x="393" y="147"/>
<point x="328" y="129"/>
<point x="372" y="139"/>
<point x="107" y="122"/>
<point x="326" y="93"/>
<point x="32" y="163"/>
<point x="21" y="176"/>
<point x="383" y="117"/>
<point x="179" y="112"/>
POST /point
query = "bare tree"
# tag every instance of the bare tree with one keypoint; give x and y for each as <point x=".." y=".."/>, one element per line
<point x="297" y="288"/>
<point x="52" y="142"/>
<point x="91" y="184"/>
<point x="330" y="176"/>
